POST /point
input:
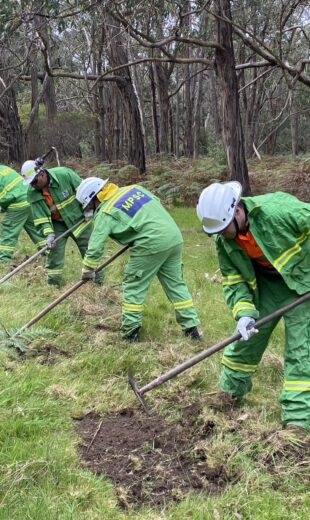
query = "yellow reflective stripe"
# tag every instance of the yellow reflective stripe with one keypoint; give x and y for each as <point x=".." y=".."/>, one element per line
<point x="10" y="186"/>
<point x="293" y="386"/>
<point x="285" y="257"/>
<point x="7" y="248"/>
<point x="19" y="205"/>
<point x="90" y="263"/>
<point x="183" y="305"/>
<point x="42" y="243"/>
<point x="130" y="307"/>
<point x="242" y="306"/>
<point x="232" y="279"/>
<point x="186" y="306"/>
<point x="47" y="231"/>
<point x="66" y="202"/>
<point x="238" y="278"/>
<point x="297" y="382"/>
<point x="116" y="197"/>
<point x="134" y="305"/>
<point x="252" y="283"/>
<point x="31" y="172"/>
<point x="297" y="389"/>
<point x="238" y="367"/>
<point x="79" y="230"/>
<point x="6" y="172"/>
<point x="38" y="221"/>
<point x="54" y="271"/>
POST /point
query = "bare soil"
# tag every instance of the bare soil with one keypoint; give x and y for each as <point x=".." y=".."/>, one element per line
<point x="48" y="355"/>
<point x="150" y="461"/>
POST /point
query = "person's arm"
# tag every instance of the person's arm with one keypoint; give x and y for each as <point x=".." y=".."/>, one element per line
<point x="102" y="228"/>
<point x="238" y="292"/>
<point x="42" y="218"/>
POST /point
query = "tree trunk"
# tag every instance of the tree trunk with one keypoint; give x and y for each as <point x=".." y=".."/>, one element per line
<point x="33" y="139"/>
<point x="294" y="120"/>
<point x="188" y="108"/>
<point x="171" y="130"/>
<point x="11" y="132"/>
<point x="50" y="99"/>
<point x="101" y="108"/>
<point x="232" y="125"/>
<point x="117" y="118"/>
<point x="197" y="115"/>
<point x="177" y="119"/>
<point x="42" y="28"/>
<point x="154" y="111"/>
<point x="162" y="80"/>
<point x="117" y="56"/>
<point x="214" y="108"/>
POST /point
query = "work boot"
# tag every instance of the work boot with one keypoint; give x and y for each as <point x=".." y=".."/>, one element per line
<point x="224" y="402"/>
<point x="134" y="337"/>
<point x="193" y="333"/>
<point x="56" y="281"/>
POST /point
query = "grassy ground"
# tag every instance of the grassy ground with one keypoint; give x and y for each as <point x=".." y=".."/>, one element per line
<point x="41" y="476"/>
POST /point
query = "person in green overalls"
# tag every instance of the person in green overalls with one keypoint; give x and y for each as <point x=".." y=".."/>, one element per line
<point x="132" y="215"/>
<point x="17" y="214"/>
<point x="51" y="193"/>
<point x="263" y="246"/>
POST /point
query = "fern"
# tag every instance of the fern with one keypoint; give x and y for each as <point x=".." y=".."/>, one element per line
<point x="12" y="343"/>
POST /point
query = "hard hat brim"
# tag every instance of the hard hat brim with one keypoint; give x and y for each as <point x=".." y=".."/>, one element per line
<point x="29" y="179"/>
<point x="217" y="231"/>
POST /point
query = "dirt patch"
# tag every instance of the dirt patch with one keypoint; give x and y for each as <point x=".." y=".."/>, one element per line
<point x="48" y="355"/>
<point x="148" y="460"/>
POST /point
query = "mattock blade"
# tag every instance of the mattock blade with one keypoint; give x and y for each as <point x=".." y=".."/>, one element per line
<point x="137" y="392"/>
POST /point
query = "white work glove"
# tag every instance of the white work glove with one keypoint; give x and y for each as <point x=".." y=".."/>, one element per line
<point x="50" y="241"/>
<point x="88" y="214"/>
<point x="245" y="327"/>
<point x="88" y="276"/>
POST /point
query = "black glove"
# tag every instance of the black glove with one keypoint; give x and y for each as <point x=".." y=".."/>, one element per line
<point x="39" y="161"/>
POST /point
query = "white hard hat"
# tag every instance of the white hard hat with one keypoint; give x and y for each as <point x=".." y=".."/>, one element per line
<point x="29" y="171"/>
<point x="217" y="205"/>
<point x="88" y="189"/>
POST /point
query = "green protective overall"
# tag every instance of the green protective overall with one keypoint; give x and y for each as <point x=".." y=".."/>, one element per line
<point x="139" y="273"/>
<point x="280" y="225"/>
<point x="132" y="215"/>
<point x="241" y="359"/>
<point x="56" y="257"/>
<point x="17" y="216"/>
<point x="63" y="183"/>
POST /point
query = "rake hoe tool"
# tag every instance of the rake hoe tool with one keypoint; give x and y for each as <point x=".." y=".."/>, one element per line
<point x="52" y="149"/>
<point x="33" y="257"/>
<point x="67" y="293"/>
<point x="40" y="160"/>
<point x="139" y="392"/>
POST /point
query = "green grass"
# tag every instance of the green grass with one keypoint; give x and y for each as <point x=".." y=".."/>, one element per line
<point x="41" y="476"/>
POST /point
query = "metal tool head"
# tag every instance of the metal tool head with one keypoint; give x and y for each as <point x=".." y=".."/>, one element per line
<point x="137" y="392"/>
